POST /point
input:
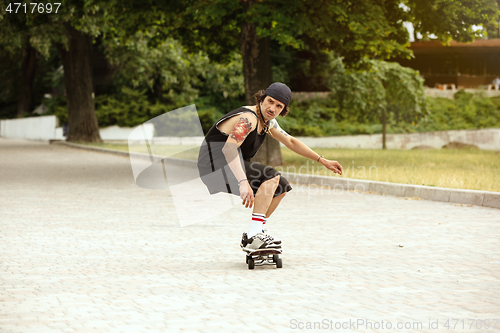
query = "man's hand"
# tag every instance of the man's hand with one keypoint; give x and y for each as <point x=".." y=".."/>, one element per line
<point x="246" y="194"/>
<point x="332" y="165"/>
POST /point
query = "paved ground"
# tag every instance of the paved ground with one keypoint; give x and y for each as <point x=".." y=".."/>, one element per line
<point x="83" y="249"/>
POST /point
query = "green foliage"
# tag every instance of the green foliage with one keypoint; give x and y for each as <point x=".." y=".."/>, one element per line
<point x="132" y="108"/>
<point x="152" y="81"/>
<point x="353" y="29"/>
<point x="170" y="74"/>
<point x="10" y="70"/>
<point x="451" y="19"/>
<point x="322" y="117"/>
<point x="466" y="111"/>
<point x="361" y="96"/>
<point x="8" y="110"/>
<point x="304" y="70"/>
<point x="310" y="118"/>
<point x="226" y="79"/>
<point x="57" y="106"/>
<point x="155" y="73"/>
<point x="385" y="87"/>
<point x="313" y="117"/>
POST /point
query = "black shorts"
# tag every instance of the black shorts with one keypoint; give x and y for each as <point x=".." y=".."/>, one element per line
<point x="223" y="180"/>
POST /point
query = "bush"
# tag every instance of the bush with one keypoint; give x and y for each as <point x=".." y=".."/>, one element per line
<point x="313" y="117"/>
<point x="322" y="117"/>
<point x="128" y="109"/>
<point x="466" y="111"/>
<point x="132" y="108"/>
<point x="57" y="106"/>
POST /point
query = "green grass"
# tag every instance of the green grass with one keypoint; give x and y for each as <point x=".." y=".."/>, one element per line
<point x="453" y="168"/>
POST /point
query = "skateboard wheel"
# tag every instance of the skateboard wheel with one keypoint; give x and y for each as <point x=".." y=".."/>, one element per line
<point x="251" y="263"/>
<point x="276" y="257"/>
<point x="279" y="263"/>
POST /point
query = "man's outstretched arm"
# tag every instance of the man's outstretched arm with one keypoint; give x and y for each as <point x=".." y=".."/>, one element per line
<point x="301" y="148"/>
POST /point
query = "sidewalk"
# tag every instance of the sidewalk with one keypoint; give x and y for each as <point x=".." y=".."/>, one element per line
<point x="83" y="249"/>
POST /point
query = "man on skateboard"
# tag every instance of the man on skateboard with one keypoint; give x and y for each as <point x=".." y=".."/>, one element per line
<point x="224" y="161"/>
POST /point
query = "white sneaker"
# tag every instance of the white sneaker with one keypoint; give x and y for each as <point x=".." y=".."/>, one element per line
<point x="275" y="240"/>
<point x="257" y="242"/>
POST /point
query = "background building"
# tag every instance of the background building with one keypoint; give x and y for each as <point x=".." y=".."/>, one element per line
<point x="466" y="65"/>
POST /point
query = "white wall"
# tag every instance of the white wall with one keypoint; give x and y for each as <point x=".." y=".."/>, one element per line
<point x="33" y="128"/>
<point x="487" y="139"/>
<point x="123" y="133"/>
<point x="45" y="128"/>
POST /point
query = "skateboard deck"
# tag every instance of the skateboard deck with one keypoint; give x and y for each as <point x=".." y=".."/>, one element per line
<point x="264" y="257"/>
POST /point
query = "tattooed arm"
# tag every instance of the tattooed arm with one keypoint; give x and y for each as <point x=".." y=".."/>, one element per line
<point x="244" y="124"/>
<point x="301" y="148"/>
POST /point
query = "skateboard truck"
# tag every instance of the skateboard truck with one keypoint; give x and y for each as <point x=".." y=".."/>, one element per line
<point x="264" y="257"/>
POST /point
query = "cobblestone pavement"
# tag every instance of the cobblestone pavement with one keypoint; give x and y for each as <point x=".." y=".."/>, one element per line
<point x="83" y="249"/>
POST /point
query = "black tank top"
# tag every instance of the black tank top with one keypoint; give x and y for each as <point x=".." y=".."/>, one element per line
<point x="211" y="157"/>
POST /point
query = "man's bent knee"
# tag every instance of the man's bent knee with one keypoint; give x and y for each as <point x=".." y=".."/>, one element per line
<point x="269" y="186"/>
<point x="273" y="181"/>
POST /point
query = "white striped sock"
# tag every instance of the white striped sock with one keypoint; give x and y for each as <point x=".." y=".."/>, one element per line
<point x="256" y="226"/>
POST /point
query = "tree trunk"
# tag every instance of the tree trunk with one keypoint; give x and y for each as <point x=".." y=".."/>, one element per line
<point x="28" y="74"/>
<point x="257" y="71"/>
<point x="384" y="122"/>
<point x="82" y="121"/>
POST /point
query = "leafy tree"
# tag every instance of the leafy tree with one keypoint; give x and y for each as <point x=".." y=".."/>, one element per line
<point x="72" y="32"/>
<point x="149" y="81"/>
<point x="385" y="89"/>
<point x="172" y="75"/>
<point x="9" y="84"/>
<point x="18" y="78"/>
<point x="28" y="68"/>
<point x="354" y="30"/>
<point x="451" y="19"/>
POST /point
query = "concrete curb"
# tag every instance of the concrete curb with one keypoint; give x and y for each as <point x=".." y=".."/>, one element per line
<point x="468" y="197"/>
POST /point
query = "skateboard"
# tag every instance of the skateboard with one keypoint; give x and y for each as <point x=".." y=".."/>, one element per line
<point x="264" y="257"/>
